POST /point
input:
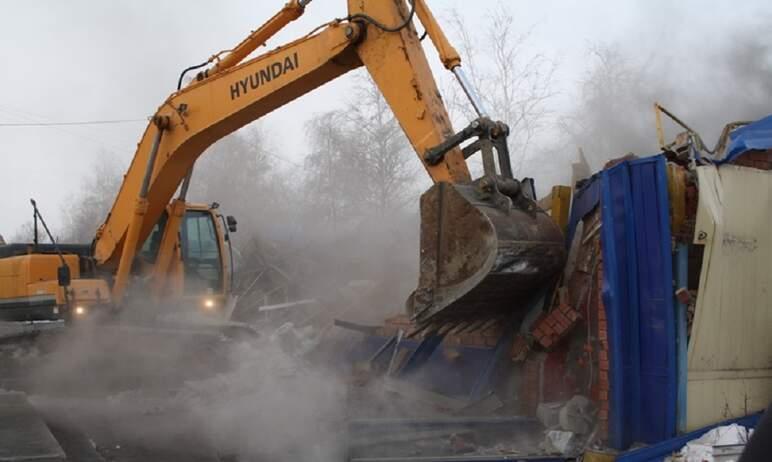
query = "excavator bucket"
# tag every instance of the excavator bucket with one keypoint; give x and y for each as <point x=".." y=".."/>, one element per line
<point x="483" y="255"/>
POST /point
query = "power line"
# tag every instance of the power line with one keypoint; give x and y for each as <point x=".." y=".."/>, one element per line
<point x="60" y="124"/>
<point x="76" y="131"/>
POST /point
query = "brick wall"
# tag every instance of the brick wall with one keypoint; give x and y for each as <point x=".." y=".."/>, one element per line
<point x="601" y="385"/>
<point x="755" y="159"/>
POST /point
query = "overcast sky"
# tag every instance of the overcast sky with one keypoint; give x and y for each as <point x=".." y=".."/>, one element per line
<point x="97" y="60"/>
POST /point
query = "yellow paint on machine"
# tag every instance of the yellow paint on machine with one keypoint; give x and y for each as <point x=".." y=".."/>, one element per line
<point x="730" y="349"/>
<point x="35" y="275"/>
<point x="18" y="273"/>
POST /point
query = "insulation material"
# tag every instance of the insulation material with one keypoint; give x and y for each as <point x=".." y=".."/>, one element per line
<point x="730" y="350"/>
<point x="703" y="448"/>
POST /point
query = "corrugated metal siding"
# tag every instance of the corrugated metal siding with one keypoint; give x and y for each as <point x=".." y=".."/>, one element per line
<point x="651" y="207"/>
<point x="621" y="301"/>
<point x="638" y="296"/>
<point x="730" y="349"/>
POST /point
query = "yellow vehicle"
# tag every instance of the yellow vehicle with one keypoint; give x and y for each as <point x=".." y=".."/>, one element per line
<point x="198" y="274"/>
<point x="485" y="245"/>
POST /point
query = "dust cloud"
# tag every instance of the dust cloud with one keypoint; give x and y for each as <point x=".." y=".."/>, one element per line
<point x="611" y="113"/>
<point x="335" y="243"/>
<point x="137" y="391"/>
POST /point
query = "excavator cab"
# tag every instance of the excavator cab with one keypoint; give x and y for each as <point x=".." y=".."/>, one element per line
<point x="206" y="259"/>
<point x="201" y="265"/>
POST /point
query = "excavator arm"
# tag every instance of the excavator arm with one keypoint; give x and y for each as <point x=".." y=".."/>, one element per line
<point x="377" y="34"/>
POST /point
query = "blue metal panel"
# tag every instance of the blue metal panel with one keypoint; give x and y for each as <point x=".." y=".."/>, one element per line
<point x="485" y="381"/>
<point x="585" y="199"/>
<point x="651" y="216"/>
<point x="638" y="297"/>
<point x="442" y="374"/>
<point x="420" y="355"/>
<point x="620" y="297"/>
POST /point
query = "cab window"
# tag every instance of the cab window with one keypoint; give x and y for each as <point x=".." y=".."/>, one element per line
<point x="149" y="250"/>
<point x="200" y="253"/>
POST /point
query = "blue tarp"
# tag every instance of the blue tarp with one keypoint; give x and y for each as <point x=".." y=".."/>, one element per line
<point x="637" y="293"/>
<point x="754" y="136"/>
<point x="659" y="451"/>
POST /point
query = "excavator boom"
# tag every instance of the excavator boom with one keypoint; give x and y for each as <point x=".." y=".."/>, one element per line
<point x="379" y="35"/>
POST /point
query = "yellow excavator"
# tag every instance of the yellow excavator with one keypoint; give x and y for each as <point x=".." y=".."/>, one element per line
<point x="485" y="244"/>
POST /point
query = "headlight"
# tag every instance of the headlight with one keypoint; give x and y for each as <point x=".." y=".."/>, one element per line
<point x="208" y="303"/>
<point x="80" y="310"/>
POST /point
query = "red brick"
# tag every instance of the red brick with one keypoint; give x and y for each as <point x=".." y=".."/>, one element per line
<point x="561" y="318"/>
<point x="603" y="415"/>
<point x="603" y="336"/>
<point x="603" y="355"/>
<point x="603" y="365"/>
<point x="602" y="325"/>
<point x="603" y="383"/>
<point x="743" y="161"/>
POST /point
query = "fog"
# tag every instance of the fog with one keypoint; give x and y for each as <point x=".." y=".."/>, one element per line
<point x="322" y="216"/>
<point x="79" y="61"/>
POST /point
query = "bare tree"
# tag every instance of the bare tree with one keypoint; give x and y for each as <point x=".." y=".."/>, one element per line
<point x="514" y="81"/>
<point x="390" y="168"/>
<point x="238" y="172"/>
<point x="335" y="185"/>
<point x="361" y="162"/>
<point x="26" y="233"/>
<point x="86" y="210"/>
